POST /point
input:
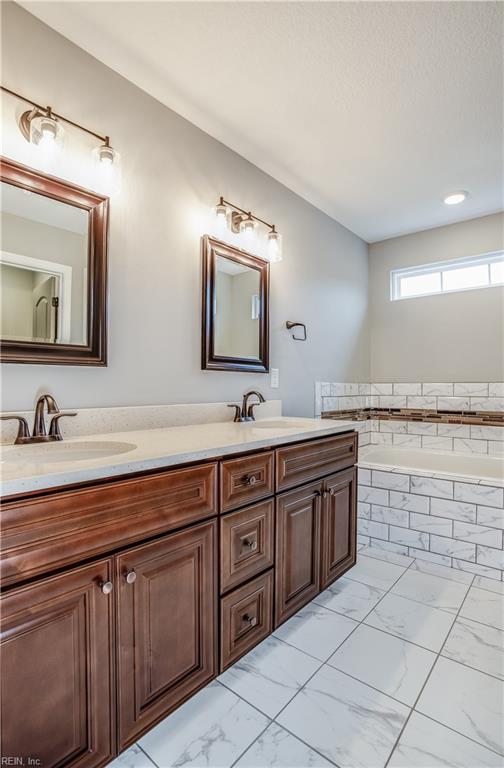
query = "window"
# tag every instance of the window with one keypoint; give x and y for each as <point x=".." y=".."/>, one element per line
<point x="448" y="276"/>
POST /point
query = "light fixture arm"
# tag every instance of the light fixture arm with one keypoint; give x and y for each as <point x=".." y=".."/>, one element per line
<point x="48" y="112"/>
<point x="248" y="214"/>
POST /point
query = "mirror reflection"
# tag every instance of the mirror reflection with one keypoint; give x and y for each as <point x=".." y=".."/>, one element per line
<point x="43" y="268"/>
<point x="237" y="309"/>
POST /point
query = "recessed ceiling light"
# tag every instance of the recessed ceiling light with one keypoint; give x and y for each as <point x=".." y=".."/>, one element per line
<point x="454" y="198"/>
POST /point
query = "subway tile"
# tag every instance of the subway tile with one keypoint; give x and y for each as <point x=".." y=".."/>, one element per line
<point x="487" y="403"/>
<point x="381" y="438"/>
<point x="325" y="388"/>
<point x="391" y="516"/>
<point x="475" y="389"/>
<point x="407" y="441"/>
<point x="453" y="430"/>
<point x="486" y="495"/>
<point x="337" y="389"/>
<point x="345" y="403"/>
<point x="373" y="495"/>
<point x="393" y="426"/>
<point x="389" y="549"/>
<point x="496" y="389"/>
<point x="422" y="402"/>
<point x="470" y="446"/>
<point x="391" y="480"/>
<point x="351" y="389"/>
<point x="453" y="548"/>
<point x="493" y="558"/>
<point x="363" y="510"/>
<point x="495" y="448"/>
<point x="392" y="402"/>
<point x="431" y="524"/>
<point x="480" y="570"/>
<point x="456" y="510"/>
<point x="410" y="502"/>
<point x="487" y="433"/>
<point x="477" y="534"/>
<point x="431" y="486"/>
<point x="364" y="389"/>
<point x="363" y="540"/>
<point x="330" y="404"/>
<point x="408" y="537"/>
<point x="374" y="401"/>
<point x="407" y="389"/>
<point x="430" y="557"/>
<point x="453" y="403"/>
<point x="371" y="528"/>
<point x="422" y="428"/>
<point x="491" y="516"/>
<point x="364" y="476"/>
<point x="364" y="439"/>
<point x="437" y="443"/>
<point x="443" y="390"/>
<point x="381" y="389"/>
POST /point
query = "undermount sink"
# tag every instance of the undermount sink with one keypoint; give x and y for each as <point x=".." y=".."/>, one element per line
<point x="281" y="424"/>
<point x="54" y="453"/>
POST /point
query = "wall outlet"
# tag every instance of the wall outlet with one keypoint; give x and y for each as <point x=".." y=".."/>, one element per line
<point x="275" y="378"/>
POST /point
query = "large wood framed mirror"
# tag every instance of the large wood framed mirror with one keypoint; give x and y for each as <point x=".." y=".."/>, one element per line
<point x="235" y="331"/>
<point x="53" y="270"/>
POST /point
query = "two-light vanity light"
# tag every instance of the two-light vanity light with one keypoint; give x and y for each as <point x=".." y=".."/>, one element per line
<point x="243" y="226"/>
<point x="43" y="129"/>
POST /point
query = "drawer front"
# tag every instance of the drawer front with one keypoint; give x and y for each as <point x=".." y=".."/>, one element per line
<point x="246" y="479"/>
<point x="60" y="528"/>
<point x="246" y="618"/>
<point x="301" y="463"/>
<point x="247" y="540"/>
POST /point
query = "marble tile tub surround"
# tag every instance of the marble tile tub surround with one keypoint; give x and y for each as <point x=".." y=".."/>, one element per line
<point x="430" y="695"/>
<point x="446" y="522"/>
<point x="98" y="421"/>
<point x="485" y="398"/>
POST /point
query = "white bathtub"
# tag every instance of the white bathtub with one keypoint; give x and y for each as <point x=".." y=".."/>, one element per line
<point x="489" y="469"/>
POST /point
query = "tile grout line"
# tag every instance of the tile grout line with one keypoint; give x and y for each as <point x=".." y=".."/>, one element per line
<point x="427" y="680"/>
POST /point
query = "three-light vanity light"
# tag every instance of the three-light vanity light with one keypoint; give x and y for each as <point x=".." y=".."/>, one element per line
<point x="43" y="129"/>
<point x="230" y="218"/>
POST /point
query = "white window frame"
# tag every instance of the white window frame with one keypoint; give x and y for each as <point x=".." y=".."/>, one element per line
<point x="396" y="275"/>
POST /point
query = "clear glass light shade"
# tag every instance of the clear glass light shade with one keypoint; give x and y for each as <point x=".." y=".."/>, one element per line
<point x="221" y="220"/>
<point x="107" y="169"/>
<point x="248" y="234"/>
<point x="274" y="248"/>
<point x="46" y="134"/>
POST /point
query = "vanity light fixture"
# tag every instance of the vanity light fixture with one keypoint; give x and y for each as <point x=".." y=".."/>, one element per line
<point x="42" y="127"/>
<point x="230" y="218"/>
<point x="454" y="198"/>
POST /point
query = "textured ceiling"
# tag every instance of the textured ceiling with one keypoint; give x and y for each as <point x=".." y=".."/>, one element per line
<point x="371" y="111"/>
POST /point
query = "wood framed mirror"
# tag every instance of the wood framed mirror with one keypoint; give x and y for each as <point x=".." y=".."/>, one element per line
<point x="235" y="327"/>
<point x="53" y="270"/>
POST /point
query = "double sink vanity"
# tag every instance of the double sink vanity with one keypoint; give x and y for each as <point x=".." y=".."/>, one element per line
<point x="137" y="566"/>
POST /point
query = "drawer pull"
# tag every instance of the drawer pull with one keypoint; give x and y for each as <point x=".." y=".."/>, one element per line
<point x="130" y="577"/>
<point x="249" y="544"/>
<point x="250" y="480"/>
<point x="250" y="620"/>
<point x="106" y="587"/>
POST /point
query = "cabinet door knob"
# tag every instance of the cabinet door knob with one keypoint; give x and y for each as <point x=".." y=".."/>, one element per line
<point x="131" y="577"/>
<point x="250" y="620"/>
<point x="249" y="544"/>
<point x="250" y="479"/>
<point x="106" y="587"/>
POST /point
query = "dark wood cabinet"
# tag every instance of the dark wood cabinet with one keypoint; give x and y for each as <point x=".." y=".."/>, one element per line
<point x="297" y="559"/>
<point x="166" y="605"/>
<point x="246" y="618"/>
<point x="56" y="663"/>
<point x="246" y="543"/>
<point x="246" y="479"/>
<point x="338" y="525"/>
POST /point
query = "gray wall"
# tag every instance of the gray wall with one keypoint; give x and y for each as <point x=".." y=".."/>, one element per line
<point x="451" y="337"/>
<point x="172" y="172"/>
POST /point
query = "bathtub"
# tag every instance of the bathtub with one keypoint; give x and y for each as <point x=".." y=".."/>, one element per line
<point x="443" y="508"/>
<point x="434" y="463"/>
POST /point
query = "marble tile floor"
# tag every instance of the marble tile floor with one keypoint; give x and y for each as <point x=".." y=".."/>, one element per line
<point x="396" y="665"/>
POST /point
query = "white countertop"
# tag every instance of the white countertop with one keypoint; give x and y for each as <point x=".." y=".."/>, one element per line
<point x="22" y="470"/>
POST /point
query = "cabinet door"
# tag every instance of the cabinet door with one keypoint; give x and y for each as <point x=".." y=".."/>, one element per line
<point x="339" y="518"/>
<point x="297" y="570"/>
<point x="167" y="593"/>
<point x="56" y="639"/>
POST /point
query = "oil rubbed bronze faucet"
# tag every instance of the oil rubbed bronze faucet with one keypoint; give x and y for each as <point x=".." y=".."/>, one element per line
<point x="246" y="412"/>
<point x="39" y="434"/>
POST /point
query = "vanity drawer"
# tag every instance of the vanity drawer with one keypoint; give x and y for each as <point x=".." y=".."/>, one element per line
<point x="246" y="479"/>
<point x="49" y="532"/>
<point x="247" y="543"/>
<point x="246" y="618"/>
<point x="301" y="463"/>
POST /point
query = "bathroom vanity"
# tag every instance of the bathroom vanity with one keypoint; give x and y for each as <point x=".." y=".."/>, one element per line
<point x="125" y="595"/>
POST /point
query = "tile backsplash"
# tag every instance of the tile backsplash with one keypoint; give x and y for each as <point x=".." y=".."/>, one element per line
<point x="441" y="396"/>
